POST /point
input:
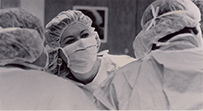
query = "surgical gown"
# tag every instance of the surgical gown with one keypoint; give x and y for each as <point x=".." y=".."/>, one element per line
<point x="36" y="90"/>
<point x="170" y="78"/>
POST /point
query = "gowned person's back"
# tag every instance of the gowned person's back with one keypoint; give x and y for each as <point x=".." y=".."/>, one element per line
<point x="168" y="72"/>
<point x="36" y="90"/>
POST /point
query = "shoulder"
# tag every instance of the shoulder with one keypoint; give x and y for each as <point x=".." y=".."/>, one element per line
<point x="121" y="60"/>
<point x="26" y="88"/>
<point x="32" y="79"/>
<point x="118" y="60"/>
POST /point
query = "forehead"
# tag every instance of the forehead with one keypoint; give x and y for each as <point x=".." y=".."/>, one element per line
<point x="73" y="29"/>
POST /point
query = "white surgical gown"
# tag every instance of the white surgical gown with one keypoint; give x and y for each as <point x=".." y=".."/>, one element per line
<point x="163" y="79"/>
<point x="36" y="90"/>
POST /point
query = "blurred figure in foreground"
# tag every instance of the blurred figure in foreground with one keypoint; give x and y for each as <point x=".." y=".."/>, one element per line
<point x="168" y="74"/>
<point x="23" y="84"/>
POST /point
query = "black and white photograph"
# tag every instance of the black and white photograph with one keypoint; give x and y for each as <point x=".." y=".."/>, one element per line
<point x="101" y="55"/>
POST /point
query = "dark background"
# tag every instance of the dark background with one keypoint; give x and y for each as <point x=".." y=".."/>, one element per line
<point x="123" y="18"/>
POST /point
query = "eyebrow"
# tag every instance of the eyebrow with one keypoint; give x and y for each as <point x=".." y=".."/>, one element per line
<point x="83" y="31"/>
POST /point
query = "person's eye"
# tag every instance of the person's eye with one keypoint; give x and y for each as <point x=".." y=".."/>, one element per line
<point x="85" y="35"/>
<point x="70" y="41"/>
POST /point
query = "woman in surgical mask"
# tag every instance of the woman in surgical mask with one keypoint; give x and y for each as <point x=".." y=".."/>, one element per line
<point x="73" y="46"/>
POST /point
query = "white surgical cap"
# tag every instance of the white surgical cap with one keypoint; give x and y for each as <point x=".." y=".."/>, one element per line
<point x="58" y="24"/>
<point x="164" y="17"/>
<point x="19" y="45"/>
<point x="16" y="17"/>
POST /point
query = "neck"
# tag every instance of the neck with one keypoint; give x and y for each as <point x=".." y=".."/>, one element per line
<point x="86" y="78"/>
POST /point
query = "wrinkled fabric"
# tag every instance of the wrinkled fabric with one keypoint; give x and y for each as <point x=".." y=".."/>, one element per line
<point x="162" y="80"/>
<point x="37" y="90"/>
<point x="164" y="17"/>
<point x="168" y="77"/>
<point x="109" y="64"/>
<point x="20" y="45"/>
<point x="16" y="17"/>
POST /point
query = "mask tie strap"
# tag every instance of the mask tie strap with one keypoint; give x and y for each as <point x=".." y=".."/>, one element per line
<point x="68" y="61"/>
<point x="155" y="14"/>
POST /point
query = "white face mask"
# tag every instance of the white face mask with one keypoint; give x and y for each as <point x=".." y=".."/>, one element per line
<point x="82" y="54"/>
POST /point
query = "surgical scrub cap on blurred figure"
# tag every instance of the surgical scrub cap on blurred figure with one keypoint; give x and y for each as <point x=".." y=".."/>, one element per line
<point x="54" y="30"/>
<point x="16" y="17"/>
<point x="19" y="45"/>
<point x="164" y="17"/>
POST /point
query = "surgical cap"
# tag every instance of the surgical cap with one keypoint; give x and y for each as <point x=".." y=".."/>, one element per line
<point x="16" y="17"/>
<point x="164" y="17"/>
<point x="19" y="45"/>
<point x="58" y="24"/>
